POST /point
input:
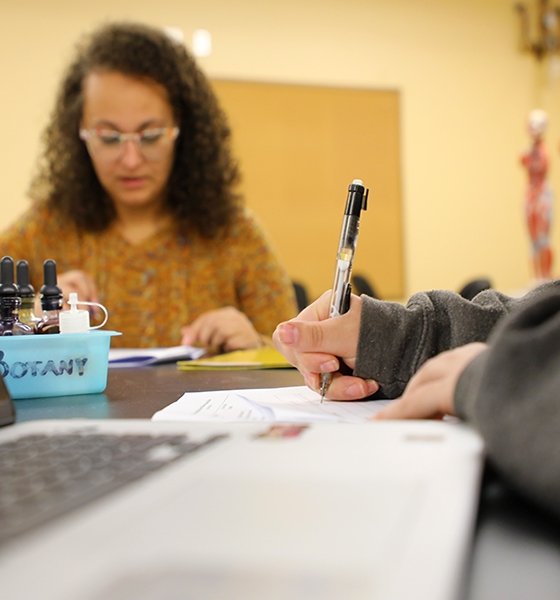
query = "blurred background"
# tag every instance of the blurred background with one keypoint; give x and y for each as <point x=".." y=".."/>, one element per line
<point x="425" y="101"/>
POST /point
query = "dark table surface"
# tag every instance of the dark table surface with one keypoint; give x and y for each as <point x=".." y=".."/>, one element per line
<point x="138" y="393"/>
<point x="516" y="547"/>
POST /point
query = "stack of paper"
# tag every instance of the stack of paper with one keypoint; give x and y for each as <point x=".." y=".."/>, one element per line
<point x="139" y="357"/>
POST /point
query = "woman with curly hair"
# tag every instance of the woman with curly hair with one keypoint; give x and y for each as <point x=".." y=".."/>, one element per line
<point x="134" y="199"/>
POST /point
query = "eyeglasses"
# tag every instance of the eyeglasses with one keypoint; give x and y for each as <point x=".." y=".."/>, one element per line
<point x="108" y="144"/>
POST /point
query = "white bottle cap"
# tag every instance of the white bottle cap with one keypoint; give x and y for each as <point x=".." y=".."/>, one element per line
<point x="73" y="320"/>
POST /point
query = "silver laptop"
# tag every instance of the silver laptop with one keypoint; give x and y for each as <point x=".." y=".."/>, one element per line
<point x="140" y="510"/>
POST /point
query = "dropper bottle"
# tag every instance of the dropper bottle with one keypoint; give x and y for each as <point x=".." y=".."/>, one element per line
<point x="27" y="294"/>
<point x="10" y="301"/>
<point x="51" y="300"/>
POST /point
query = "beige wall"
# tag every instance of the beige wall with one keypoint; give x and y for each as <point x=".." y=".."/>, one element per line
<point x="465" y="93"/>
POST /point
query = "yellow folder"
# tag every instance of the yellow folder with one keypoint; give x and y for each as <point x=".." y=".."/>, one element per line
<point x="257" y="358"/>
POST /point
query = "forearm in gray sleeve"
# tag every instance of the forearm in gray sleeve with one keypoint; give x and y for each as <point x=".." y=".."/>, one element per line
<point x="395" y="340"/>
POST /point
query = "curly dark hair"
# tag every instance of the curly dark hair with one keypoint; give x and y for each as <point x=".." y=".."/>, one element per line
<point x="200" y="190"/>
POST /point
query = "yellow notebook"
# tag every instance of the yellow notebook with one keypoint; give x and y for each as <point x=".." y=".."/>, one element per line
<point x="258" y="358"/>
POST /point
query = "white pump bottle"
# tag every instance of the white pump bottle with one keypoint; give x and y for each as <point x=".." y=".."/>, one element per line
<point x="76" y="320"/>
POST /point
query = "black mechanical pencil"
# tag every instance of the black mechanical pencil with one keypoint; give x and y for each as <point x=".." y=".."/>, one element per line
<point x="356" y="201"/>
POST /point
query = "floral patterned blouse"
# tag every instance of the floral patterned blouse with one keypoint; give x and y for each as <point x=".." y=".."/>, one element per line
<point x="152" y="289"/>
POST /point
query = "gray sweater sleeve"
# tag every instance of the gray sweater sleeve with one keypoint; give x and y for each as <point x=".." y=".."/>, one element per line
<point x="395" y="340"/>
<point x="510" y="394"/>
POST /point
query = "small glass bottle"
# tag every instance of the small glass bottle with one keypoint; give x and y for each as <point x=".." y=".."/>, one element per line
<point x="27" y="294"/>
<point x="10" y="302"/>
<point x="51" y="300"/>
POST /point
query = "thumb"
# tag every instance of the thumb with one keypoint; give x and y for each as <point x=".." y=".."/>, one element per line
<point x="301" y="335"/>
<point x="331" y="336"/>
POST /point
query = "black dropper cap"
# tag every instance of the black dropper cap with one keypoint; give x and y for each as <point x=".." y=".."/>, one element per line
<point x="7" y="285"/>
<point x="26" y="290"/>
<point x="51" y="294"/>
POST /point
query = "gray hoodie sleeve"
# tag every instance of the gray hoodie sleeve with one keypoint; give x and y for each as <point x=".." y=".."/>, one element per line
<point x="395" y="340"/>
<point x="510" y="394"/>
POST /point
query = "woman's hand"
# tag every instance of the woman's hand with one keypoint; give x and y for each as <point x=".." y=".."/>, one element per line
<point x="429" y="394"/>
<point x="79" y="282"/>
<point x="314" y="344"/>
<point x="74" y="281"/>
<point x="223" y="329"/>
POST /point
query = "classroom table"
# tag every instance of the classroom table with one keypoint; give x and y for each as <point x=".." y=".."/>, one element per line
<point x="516" y="547"/>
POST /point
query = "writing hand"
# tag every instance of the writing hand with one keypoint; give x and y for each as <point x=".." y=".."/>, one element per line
<point x="429" y="393"/>
<point x="313" y="343"/>
<point x="223" y="329"/>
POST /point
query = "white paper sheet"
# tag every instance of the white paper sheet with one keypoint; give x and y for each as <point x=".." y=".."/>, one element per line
<point x="286" y="404"/>
<point x="139" y="357"/>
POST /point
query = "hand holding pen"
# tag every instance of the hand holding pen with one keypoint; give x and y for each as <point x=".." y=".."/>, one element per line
<point x="314" y="344"/>
<point x="342" y="287"/>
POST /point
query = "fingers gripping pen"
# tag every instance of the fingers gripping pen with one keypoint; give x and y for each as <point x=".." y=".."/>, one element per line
<point x="342" y="287"/>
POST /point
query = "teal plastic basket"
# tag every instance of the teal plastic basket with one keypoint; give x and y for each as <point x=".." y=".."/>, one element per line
<point x="62" y="364"/>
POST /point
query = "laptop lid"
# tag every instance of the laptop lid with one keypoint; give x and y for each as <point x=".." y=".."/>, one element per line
<point x="377" y="511"/>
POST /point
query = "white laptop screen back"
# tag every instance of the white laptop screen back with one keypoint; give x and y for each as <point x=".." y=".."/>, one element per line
<point x="372" y="511"/>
